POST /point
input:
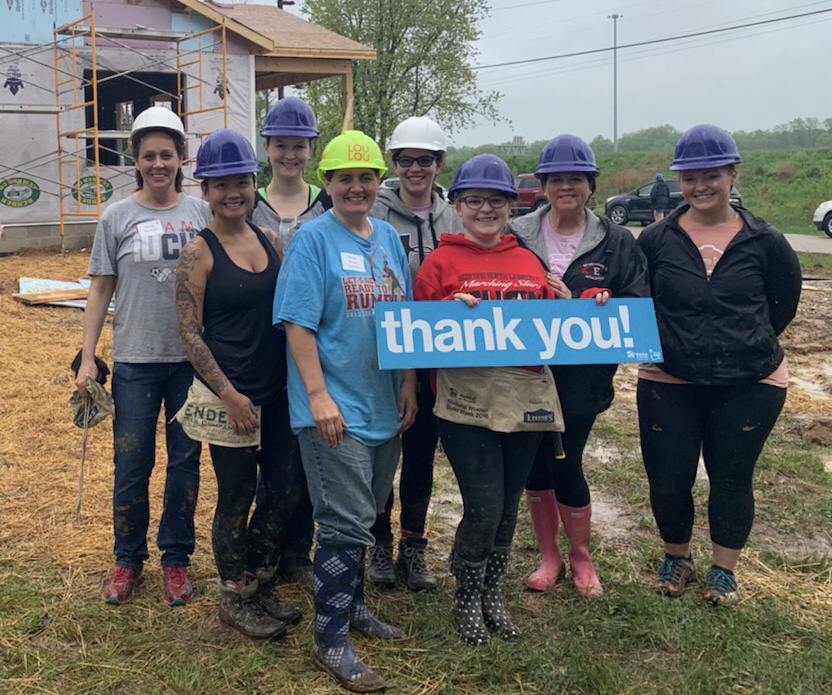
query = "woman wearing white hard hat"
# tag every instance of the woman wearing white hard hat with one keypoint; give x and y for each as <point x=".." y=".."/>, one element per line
<point x="420" y="214"/>
<point x="134" y="255"/>
<point x="725" y="285"/>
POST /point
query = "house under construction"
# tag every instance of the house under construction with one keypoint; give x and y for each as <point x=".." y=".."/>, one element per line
<point x="75" y="73"/>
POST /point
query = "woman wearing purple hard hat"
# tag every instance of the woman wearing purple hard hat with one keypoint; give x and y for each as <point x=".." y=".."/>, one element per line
<point x="289" y="131"/>
<point x="491" y="447"/>
<point x="225" y="284"/>
<point x="725" y="285"/>
<point x="590" y="258"/>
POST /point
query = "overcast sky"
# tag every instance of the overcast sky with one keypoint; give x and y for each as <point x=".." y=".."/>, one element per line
<point x="746" y="79"/>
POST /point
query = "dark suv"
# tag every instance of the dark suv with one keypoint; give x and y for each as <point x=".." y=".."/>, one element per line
<point x="635" y="205"/>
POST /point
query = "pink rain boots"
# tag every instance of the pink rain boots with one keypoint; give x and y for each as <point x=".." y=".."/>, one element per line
<point x="576" y="525"/>
<point x="543" y="508"/>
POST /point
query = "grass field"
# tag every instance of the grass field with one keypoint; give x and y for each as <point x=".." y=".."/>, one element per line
<point x="57" y="637"/>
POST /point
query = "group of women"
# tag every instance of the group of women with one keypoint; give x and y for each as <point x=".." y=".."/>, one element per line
<point x="272" y="325"/>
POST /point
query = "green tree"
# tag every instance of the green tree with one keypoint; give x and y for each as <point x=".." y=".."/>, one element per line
<point x="424" y="52"/>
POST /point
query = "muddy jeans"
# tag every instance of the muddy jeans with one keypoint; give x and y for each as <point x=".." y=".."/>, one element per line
<point x="139" y="391"/>
<point x="729" y="425"/>
<point x="491" y="469"/>
<point x="241" y="543"/>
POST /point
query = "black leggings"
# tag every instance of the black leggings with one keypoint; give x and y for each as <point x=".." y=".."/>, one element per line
<point x="729" y="425"/>
<point x="490" y="468"/>
<point x="416" y="479"/>
<point x="565" y="476"/>
<point x="241" y="544"/>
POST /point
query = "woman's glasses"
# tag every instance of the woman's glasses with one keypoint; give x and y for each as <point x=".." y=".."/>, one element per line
<point x="475" y="202"/>
<point x="423" y="161"/>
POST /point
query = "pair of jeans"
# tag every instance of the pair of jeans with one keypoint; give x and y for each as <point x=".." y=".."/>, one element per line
<point x="729" y="425"/>
<point x="241" y="543"/>
<point x="491" y="469"/>
<point x="348" y="485"/>
<point x="416" y="479"/>
<point x="565" y="476"/>
<point x="139" y="391"/>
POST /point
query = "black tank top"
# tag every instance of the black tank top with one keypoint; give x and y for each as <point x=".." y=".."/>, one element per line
<point x="237" y="323"/>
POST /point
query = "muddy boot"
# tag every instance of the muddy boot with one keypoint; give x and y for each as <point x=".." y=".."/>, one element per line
<point x="494" y="612"/>
<point x="238" y="609"/>
<point x="269" y="600"/>
<point x="362" y="621"/>
<point x="468" y="600"/>
<point x="543" y="508"/>
<point x="411" y="561"/>
<point x="576" y="524"/>
<point x="336" y="579"/>
<point x="381" y="569"/>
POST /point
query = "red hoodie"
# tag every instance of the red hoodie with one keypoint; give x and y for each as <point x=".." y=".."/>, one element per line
<point x="505" y="271"/>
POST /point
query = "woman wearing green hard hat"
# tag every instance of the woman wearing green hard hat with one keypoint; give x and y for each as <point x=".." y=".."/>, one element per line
<point x="348" y="414"/>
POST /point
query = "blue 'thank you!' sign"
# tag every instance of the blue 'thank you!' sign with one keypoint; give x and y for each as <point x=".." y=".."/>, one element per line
<point x="514" y="333"/>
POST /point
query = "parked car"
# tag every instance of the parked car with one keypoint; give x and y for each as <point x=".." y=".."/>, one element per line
<point x="823" y="217"/>
<point x="530" y="195"/>
<point x="635" y="205"/>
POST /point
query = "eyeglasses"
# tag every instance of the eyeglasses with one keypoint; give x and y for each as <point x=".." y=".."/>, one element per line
<point x="475" y="202"/>
<point x="424" y="161"/>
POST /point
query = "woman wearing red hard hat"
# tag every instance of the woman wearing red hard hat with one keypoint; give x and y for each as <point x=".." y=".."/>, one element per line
<point x="225" y="284"/>
<point x="490" y="461"/>
<point x="137" y="244"/>
<point x="590" y="258"/>
<point x="725" y="284"/>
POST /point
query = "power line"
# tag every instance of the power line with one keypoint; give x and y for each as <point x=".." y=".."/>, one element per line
<point x="654" y="41"/>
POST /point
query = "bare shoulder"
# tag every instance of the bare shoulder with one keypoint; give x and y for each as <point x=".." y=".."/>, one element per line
<point x="274" y="239"/>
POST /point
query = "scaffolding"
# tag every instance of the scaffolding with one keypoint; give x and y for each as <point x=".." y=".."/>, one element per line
<point x="78" y="149"/>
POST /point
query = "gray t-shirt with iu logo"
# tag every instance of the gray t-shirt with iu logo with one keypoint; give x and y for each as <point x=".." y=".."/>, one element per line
<point x="140" y="246"/>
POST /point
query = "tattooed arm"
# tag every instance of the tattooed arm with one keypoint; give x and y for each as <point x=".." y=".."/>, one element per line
<point x="194" y="267"/>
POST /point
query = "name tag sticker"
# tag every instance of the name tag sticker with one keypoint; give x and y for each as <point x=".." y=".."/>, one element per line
<point x="150" y="228"/>
<point x="352" y="261"/>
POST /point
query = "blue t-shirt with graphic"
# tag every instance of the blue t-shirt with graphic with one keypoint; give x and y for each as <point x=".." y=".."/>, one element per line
<point x="329" y="282"/>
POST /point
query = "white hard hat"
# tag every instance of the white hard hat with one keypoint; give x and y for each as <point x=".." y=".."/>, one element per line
<point x="418" y="132"/>
<point x="158" y="117"/>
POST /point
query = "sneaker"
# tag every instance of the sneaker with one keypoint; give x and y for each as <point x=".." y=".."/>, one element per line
<point x="177" y="587"/>
<point x="411" y="562"/>
<point x="381" y="566"/>
<point x="721" y="587"/>
<point x="247" y="616"/>
<point x="675" y="573"/>
<point x="121" y="584"/>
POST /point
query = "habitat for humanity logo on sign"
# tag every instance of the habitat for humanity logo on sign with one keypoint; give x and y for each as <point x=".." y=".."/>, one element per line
<point x="515" y="333"/>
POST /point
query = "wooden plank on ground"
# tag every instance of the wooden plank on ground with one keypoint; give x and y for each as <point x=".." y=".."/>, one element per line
<point x="34" y="298"/>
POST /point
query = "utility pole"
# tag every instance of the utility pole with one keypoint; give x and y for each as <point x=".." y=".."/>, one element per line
<point x="280" y="4"/>
<point x="615" y="17"/>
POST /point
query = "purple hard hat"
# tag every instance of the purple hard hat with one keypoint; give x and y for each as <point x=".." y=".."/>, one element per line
<point x="483" y="171"/>
<point x="566" y="153"/>
<point x="705" y="146"/>
<point x="291" y="117"/>
<point x="223" y="153"/>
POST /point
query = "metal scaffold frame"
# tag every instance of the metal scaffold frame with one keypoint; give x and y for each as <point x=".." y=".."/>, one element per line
<point x="69" y="58"/>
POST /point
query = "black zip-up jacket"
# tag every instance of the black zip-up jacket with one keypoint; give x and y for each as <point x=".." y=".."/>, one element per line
<point x="722" y="330"/>
<point x="608" y="257"/>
